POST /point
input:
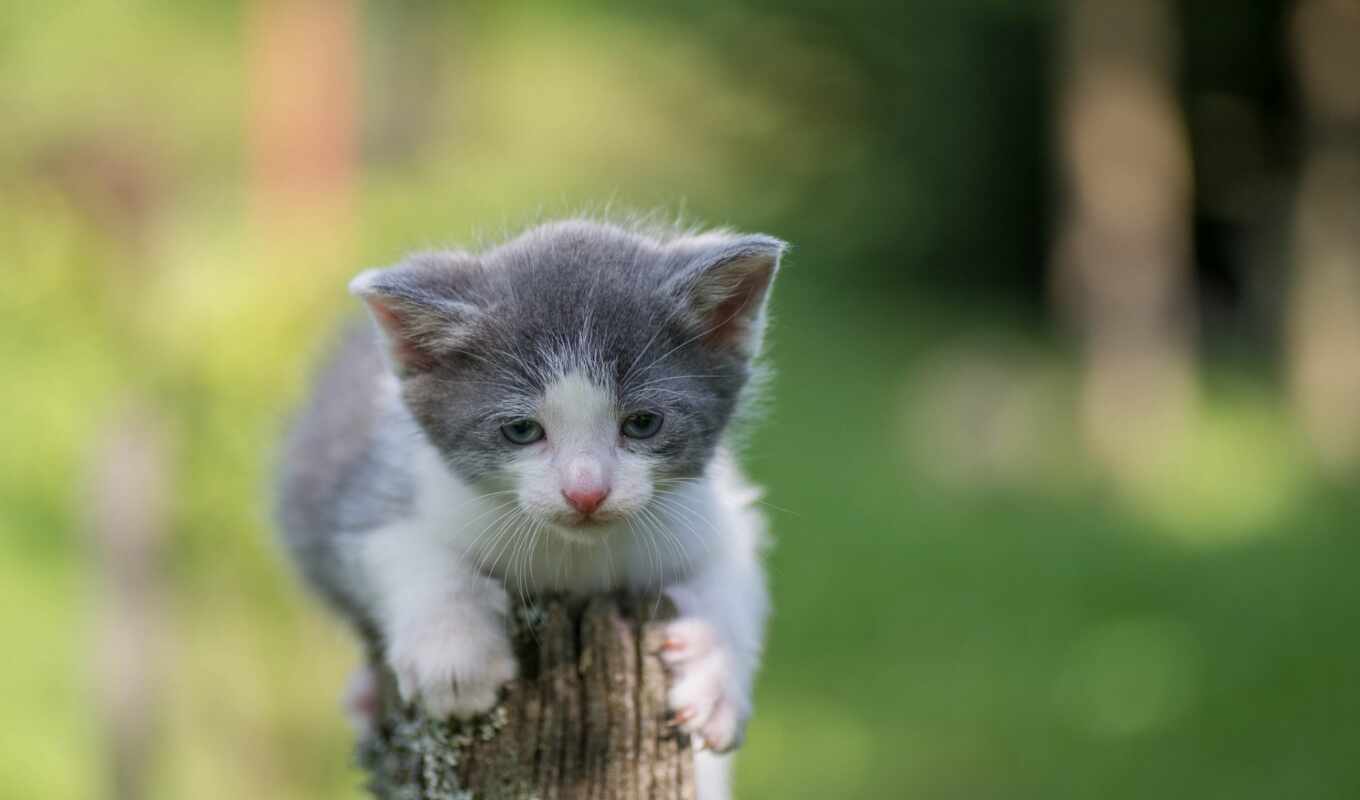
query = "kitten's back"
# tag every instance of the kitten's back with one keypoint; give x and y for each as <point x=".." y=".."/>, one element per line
<point x="333" y="481"/>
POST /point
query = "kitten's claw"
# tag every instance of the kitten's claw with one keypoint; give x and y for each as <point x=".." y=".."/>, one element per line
<point x="705" y="700"/>
<point x="455" y="666"/>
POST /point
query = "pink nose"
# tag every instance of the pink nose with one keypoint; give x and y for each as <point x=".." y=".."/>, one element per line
<point x="585" y="500"/>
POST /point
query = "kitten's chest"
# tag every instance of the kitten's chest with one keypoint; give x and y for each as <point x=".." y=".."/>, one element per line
<point x="532" y="561"/>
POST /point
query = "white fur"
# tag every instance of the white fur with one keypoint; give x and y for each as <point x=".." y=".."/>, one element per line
<point x="439" y="580"/>
<point x="580" y="450"/>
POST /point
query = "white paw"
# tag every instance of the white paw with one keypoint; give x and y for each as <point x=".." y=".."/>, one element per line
<point x="454" y="665"/>
<point x="704" y="698"/>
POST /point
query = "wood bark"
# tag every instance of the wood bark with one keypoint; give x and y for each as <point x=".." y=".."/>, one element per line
<point x="586" y="719"/>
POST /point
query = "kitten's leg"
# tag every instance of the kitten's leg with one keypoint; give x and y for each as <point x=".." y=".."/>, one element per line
<point x="443" y="625"/>
<point x="713" y="649"/>
<point x="712" y="776"/>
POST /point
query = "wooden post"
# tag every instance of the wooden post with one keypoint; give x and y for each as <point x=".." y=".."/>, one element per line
<point x="585" y="721"/>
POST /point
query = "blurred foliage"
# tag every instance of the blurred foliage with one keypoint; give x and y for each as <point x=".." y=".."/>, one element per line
<point x="966" y="606"/>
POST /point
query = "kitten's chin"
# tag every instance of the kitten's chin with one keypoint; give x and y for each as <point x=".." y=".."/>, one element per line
<point x="583" y="530"/>
<point x="587" y="536"/>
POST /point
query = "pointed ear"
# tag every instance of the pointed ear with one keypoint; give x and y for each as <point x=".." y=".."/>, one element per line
<point x="725" y="285"/>
<point x="419" y="309"/>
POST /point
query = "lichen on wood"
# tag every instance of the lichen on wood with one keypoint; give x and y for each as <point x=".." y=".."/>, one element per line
<point x="586" y="719"/>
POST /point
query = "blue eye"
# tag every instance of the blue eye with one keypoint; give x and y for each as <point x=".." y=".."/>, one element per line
<point x="643" y="425"/>
<point x="522" y="431"/>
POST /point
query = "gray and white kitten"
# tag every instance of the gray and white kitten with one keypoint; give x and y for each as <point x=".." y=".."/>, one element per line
<point x="547" y="415"/>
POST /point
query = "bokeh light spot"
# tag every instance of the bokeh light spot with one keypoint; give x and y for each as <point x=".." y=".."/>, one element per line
<point x="1129" y="677"/>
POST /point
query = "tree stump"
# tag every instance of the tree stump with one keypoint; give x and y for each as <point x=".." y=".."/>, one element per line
<point x="586" y="719"/>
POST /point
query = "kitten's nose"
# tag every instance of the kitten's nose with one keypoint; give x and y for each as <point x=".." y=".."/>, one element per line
<point x="586" y="500"/>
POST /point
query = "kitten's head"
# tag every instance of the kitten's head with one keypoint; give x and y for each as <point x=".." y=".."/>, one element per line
<point x="586" y="367"/>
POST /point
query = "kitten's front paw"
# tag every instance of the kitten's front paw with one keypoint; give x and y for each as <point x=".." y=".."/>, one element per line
<point x="453" y="666"/>
<point x="704" y="698"/>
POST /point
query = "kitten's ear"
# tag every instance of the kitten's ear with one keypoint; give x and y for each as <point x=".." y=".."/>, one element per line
<point x="422" y="309"/>
<point x="725" y="286"/>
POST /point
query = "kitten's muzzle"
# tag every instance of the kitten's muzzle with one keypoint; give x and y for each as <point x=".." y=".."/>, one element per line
<point x="585" y="500"/>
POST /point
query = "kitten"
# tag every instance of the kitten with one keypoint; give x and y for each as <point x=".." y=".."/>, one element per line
<point x="548" y="415"/>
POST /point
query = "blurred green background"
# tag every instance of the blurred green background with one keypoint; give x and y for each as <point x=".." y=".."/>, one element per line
<point x="1061" y="453"/>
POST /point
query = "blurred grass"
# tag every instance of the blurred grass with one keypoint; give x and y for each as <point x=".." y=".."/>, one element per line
<point x="1017" y="643"/>
<point x="965" y="606"/>
<point x="942" y="641"/>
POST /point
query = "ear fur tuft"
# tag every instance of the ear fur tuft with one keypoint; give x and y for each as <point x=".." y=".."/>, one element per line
<point x="416" y="308"/>
<point x="726" y="285"/>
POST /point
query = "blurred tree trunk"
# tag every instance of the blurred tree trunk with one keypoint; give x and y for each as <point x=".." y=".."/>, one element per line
<point x="1324" y="308"/>
<point x="128" y="495"/>
<point x="586" y="719"/>
<point x="1121" y="271"/>
<point x="303" y="115"/>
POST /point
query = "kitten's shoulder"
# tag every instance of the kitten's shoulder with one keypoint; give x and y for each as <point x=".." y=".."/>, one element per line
<point x="334" y="473"/>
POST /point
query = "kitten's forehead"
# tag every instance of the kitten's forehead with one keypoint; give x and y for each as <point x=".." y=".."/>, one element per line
<point x="590" y="294"/>
<point x="578" y="411"/>
<point x="590" y="313"/>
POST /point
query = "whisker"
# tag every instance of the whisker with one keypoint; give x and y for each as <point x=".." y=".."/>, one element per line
<point x="676" y="481"/>
<point x="686" y="516"/>
<point x="672" y="482"/>
<point x="627" y="374"/>
<point x="498" y="541"/>
<point x="665" y="378"/>
<point x="524" y="553"/>
<point x="507" y="387"/>
<point x="530" y="556"/>
<point x="533" y="547"/>
<point x="652" y="557"/>
<point x="495" y="532"/>
<point x="669" y="537"/>
<point x="770" y="505"/>
<point x="467" y="550"/>
<point x="569" y="560"/>
<point x="511" y="542"/>
<point x="655" y="547"/>
<point x="493" y="508"/>
<point x="609" y="564"/>
<point x="517" y="540"/>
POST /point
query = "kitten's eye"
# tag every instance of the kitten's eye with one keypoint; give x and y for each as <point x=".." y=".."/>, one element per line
<point x="523" y="431"/>
<point x="643" y="425"/>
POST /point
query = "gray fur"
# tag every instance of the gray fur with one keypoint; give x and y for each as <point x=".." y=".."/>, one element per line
<point x="671" y="320"/>
<point x="340" y="472"/>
